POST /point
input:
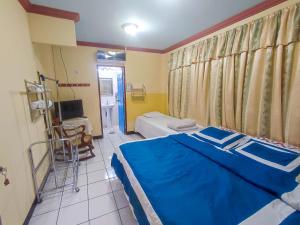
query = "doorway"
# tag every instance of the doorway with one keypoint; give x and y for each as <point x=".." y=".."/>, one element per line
<point x="112" y="95"/>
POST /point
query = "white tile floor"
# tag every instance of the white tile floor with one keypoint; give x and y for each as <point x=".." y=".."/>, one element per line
<point x="101" y="199"/>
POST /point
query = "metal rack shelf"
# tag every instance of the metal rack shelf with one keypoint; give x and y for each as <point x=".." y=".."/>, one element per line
<point x="74" y="165"/>
<point x="51" y="142"/>
<point x="138" y="93"/>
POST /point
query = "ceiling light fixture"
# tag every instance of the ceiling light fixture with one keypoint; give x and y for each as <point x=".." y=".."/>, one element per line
<point x="130" y="28"/>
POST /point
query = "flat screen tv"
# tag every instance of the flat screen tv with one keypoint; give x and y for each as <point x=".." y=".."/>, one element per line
<point x="69" y="109"/>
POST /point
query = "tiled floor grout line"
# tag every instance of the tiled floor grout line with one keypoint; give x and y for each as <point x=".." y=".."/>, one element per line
<point x="60" y="205"/>
<point x="87" y="189"/>
<point x="104" y="215"/>
<point x="111" y="186"/>
<point x="105" y="148"/>
<point x="88" y="196"/>
<point x="58" y="210"/>
<point x="45" y="213"/>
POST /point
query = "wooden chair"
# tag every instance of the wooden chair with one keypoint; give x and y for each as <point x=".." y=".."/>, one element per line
<point x="78" y="137"/>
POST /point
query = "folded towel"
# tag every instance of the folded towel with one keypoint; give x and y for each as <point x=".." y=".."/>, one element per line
<point x="181" y="124"/>
<point x="193" y="128"/>
<point x="41" y="104"/>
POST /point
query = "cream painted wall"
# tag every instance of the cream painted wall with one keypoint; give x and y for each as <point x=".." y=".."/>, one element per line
<point x="45" y="65"/>
<point x="140" y="68"/>
<point x="81" y="67"/>
<point x="51" y="30"/>
<point x="17" y="131"/>
<point x="144" y="68"/>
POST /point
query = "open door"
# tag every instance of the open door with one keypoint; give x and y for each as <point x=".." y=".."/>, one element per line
<point x="111" y="83"/>
<point x="121" y="101"/>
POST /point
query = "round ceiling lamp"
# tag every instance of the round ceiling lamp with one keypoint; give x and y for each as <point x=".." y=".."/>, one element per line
<point x="130" y="28"/>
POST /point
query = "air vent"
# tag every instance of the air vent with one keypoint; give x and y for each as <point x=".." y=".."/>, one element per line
<point x="105" y="55"/>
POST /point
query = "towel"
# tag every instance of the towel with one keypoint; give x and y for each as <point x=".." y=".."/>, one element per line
<point x="41" y="104"/>
<point x="193" y="128"/>
<point x="183" y="124"/>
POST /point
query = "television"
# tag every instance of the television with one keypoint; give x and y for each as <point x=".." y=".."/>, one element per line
<point x="69" y="109"/>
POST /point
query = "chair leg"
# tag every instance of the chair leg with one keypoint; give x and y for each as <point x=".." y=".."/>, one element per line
<point x="90" y="150"/>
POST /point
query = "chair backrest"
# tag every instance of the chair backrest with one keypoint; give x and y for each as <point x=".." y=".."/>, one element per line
<point x="73" y="133"/>
<point x="55" y="124"/>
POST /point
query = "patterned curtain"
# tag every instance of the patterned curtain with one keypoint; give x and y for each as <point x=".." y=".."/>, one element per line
<point x="247" y="78"/>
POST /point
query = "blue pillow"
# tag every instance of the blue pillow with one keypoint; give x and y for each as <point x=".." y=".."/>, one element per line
<point x="220" y="138"/>
<point x="269" y="154"/>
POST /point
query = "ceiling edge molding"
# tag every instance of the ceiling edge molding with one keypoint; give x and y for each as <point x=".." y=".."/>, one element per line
<point x="26" y="4"/>
<point x="48" y="11"/>
<point x="111" y="46"/>
<point x="231" y="20"/>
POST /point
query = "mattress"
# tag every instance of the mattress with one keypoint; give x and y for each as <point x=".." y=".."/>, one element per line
<point x="156" y="126"/>
<point x="141" y="207"/>
<point x="230" y="201"/>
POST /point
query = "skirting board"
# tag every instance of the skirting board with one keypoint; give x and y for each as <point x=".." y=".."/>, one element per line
<point x="97" y="137"/>
<point x="130" y="132"/>
<point x="133" y="132"/>
<point x="29" y="215"/>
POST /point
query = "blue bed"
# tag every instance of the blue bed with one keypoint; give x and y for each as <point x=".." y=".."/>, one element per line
<point x="189" y="181"/>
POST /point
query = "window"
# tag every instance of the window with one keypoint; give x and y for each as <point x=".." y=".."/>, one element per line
<point x="106" y="86"/>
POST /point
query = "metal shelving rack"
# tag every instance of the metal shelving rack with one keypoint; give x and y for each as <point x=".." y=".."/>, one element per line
<point x="51" y="141"/>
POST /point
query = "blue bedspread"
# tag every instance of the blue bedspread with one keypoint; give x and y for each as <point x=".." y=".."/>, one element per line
<point x="187" y="183"/>
<point x="272" y="180"/>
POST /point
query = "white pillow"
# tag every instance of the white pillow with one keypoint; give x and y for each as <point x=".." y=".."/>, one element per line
<point x="153" y="114"/>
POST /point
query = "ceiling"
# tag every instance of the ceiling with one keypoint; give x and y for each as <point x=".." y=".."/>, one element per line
<point x="162" y="22"/>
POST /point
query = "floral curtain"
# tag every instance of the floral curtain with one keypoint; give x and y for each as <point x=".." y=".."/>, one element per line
<point x="247" y="78"/>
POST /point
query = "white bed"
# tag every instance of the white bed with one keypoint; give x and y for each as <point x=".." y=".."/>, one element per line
<point x="155" y="124"/>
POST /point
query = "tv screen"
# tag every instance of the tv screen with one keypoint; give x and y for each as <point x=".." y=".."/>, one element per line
<point x="69" y="109"/>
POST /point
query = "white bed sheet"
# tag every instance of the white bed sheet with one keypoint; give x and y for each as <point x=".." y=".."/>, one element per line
<point x="157" y="126"/>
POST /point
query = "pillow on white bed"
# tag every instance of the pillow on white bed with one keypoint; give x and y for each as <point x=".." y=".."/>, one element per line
<point x="182" y="124"/>
<point x="153" y="114"/>
<point x="223" y="139"/>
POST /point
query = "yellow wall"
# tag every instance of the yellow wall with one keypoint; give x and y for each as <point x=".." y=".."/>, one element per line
<point x="152" y="102"/>
<point x="145" y="69"/>
<point x="81" y="68"/>
<point x="51" y="30"/>
<point x="45" y="64"/>
<point x="140" y="68"/>
<point x="17" y="130"/>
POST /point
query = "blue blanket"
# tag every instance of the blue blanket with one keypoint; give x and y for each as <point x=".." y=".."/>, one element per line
<point x="272" y="180"/>
<point x="185" y="185"/>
